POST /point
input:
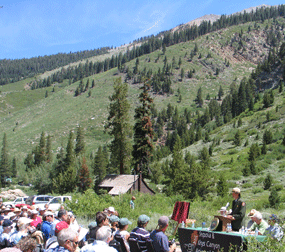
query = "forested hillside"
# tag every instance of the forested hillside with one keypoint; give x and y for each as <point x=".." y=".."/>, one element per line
<point x="190" y="110"/>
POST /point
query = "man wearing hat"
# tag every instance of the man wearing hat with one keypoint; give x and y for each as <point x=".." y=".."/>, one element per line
<point x="238" y="210"/>
<point x="114" y="221"/>
<point x="23" y="225"/>
<point x="48" y="219"/>
<point x="36" y="219"/>
<point x="159" y="239"/>
<point x="274" y="230"/>
<point x="250" y="223"/>
<point x="140" y="233"/>
<point x="5" y="236"/>
<point x="259" y="223"/>
<point x="123" y="226"/>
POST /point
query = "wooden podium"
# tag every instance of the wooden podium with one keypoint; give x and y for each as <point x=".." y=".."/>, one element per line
<point x="223" y="221"/>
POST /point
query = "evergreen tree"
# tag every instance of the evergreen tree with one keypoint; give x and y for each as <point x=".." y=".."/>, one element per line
<point x="60" y="163"/>
<point x="199" y="97"/>
<point x="46" y="95"/>
<point x="29" y="161"/>
<point x="14" y="168"/>
<point x="254" y="152"/>
<point x="69" y="158"/>
<point x="143" y="131"/>
<point x="222" y="186"/>
<point x="237" y="138"/>
<point x="252" y="168"/>
<point x="85" y="181"/>
<point x="48" y="150"/>
<point x="205" y="158"/>
<point x="4" y="164"/>
<point x="66" y="181"/>
<point x="179" y="172"/>
<point x="274" y="199"/>
<point x="220" y="93"/>
<point x="118" y="126"/>
<point x="80" y="145"/>
<point x="40" y="151"/>
<point x="267" y="182"/>
<point x="267" y="137"/>
<point x="263" y="149"/>
<point x="182" y="73"/>
<point x="100" y="165"/>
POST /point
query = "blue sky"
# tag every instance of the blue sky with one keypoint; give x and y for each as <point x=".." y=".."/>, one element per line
<point x="30" y="28"/>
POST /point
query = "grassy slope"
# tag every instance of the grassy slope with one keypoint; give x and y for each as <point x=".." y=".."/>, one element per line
<point x="61" y="111"/>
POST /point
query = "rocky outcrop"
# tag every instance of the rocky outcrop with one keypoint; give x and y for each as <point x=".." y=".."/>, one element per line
<point x="12" y="194"/>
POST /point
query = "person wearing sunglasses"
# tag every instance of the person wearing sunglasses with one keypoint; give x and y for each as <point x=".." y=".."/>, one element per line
<point x="67" y="241"/>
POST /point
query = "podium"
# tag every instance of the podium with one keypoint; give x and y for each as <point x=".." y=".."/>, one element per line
<point x="223" y="221"/>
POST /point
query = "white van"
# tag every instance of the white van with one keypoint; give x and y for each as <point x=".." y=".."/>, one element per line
<point x="55" y="202"/>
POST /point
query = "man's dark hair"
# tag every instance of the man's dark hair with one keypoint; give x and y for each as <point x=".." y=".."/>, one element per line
<point x="140" y="224"/>
<point x="100" y="217"/>
<point x="61" y="213"/>
<point x="121" y="226"/>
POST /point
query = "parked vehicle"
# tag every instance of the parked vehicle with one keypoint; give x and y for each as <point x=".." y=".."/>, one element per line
<point x="39" y="200"/>
<point x="56" y="202"/>
<point x="18" y="200"/>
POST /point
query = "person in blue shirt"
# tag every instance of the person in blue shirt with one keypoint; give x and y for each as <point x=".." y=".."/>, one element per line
<point x="5" y="240"/>
<point x="48" y="219"/>
<point x="274" y="230"/>
<point x="159" y="239"/>
<point x="23" y="226"/>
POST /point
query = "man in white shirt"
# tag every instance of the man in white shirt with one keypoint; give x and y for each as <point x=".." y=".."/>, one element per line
<point x="101" y="244"/>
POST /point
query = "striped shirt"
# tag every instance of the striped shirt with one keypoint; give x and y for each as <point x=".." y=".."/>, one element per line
<point x="141" y="235"/>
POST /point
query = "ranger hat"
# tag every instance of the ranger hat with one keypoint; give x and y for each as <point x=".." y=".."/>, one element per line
<point x="236" y="190"/>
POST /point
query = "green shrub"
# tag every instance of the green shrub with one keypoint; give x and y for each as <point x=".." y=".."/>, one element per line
<point x="247" y="185"/>
<point x="278" y="187"/>
<point x="257" y="190"/>
<point x="259" y="180"/>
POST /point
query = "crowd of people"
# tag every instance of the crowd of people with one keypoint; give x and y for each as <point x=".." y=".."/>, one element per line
<point x="28" y="229"/>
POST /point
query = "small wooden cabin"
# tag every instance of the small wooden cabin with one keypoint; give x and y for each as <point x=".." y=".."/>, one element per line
<point x="121" y="184"/>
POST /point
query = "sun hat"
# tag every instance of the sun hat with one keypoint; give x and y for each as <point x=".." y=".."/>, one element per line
<point x="24" y="220"/>
<point x="251" y="213"/>
<point x="236" y="190"/>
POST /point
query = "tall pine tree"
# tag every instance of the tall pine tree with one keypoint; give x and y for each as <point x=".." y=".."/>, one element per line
<point x="143" y="131"/>
<point x="4" y="164"/>
<point x="118" y="126"/>
<point x="80" y="145"/>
